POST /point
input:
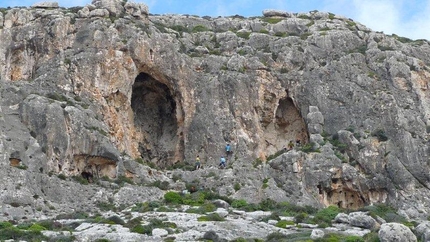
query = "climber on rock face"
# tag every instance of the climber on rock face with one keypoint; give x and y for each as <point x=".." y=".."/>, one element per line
<point x="290" y="145"/>
<point x="222" y="162"/>
<point x="198" y="164"/>
<point x="227" y="149"/>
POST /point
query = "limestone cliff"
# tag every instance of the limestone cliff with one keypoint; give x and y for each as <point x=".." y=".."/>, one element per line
<point x="86" y="91"/>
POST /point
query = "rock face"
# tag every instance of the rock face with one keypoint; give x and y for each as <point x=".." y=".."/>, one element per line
<point x="85" y="92"/>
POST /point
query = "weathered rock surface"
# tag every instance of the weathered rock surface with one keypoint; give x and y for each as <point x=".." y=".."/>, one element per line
<point x="92" y="92"/>
<point x="423" y="231"/>
<point x="395" y="232"/>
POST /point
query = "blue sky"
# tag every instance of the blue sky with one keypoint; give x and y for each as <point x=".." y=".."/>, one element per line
<point x="408" y="18"/>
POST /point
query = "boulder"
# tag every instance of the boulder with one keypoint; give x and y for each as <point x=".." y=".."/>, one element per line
<point x="137" y="10"/>
<point x="275" y="13"/>
<point x="317" y="234"/>
<point x="390" y="232"/>
<point x="423" y="231"/>
<point x="114" y="7"/>
<point x="342" y="218"/>
<point x="362" y="220"/>
<point x="159" y="232"/>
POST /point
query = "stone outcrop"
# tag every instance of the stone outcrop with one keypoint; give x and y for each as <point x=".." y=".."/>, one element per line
<point x="94" y="91"/>
<point x="395" y="232"/>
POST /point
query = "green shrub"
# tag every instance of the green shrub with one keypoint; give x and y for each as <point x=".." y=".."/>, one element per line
<point x="309" y="147"/>
<point x="16" y="234"/>
<point x="140" y="229"/>
<point x="210" y="217"/>
<point x="81" y="180"/>
<point x="243" y="34"/>
<point x="257" y="162"/>
<point x="5" y="225"/>
<point x="104" y="206"/>
<point x="273" y="156"/>
<point x="205" y="208"/>
<point x="301" y="217"/>
<point x="173" y="197"/>
<point x="237" y="186"/>
<point x="113" y="220"/>
<point x="36" y="227"/>
<point x="271" y="20"/>
<point x="163" y="185"/>
<point x="121" y="180"/>
<point x="276" y="236"/>
<point x="239" y="203"/>
<point x="200" y="28"/>
<point x="62" y="176"/>
<point x="380" y="134"/>
<point x="284" y="223"/>
<point x="326" y="215"/>
<point x="371" y="237"/>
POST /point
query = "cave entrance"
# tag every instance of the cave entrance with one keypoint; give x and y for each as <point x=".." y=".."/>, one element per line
<point x="154" y="109"/>
<point x="288" y="125"/>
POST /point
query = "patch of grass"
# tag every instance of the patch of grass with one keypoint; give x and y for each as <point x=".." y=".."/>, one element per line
<point x="236" y="186"/>
<point x="309" y="147"/>
<point x="271" y="20"/>
<point x="273" y="156"/>
<point x="147" y="229"/>
<point x="104" y="206"/>
<point x="81" y="180"/>
<point x="257" y="162"/>
<point x="402" y="39"/>
<point x="281" y="34"/>
<point x="361" y="49"/>
<point x="385" y="48"/>
<point x="163" y="185"/>
<point x="243" y="34"/>
<point x="211" y="217"/>
<point x="331" y="16"/>
<point x="62" y="176"/>
<point x="283" y="223"/>
<point x="203" y="209"/>
<point x="310" y="23"/>
<point x="303" y="16"/>
<point x="121" y="180"/>
<point x="264" y="31"/>
<point x="200" y="28"/>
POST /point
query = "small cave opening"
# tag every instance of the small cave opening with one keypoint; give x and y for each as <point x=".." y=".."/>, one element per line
<point x="155" y="117"/>
<point x="288" y="125"/>
<point x="90" y="167"/>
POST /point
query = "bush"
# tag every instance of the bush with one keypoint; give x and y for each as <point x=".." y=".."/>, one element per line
<point x="173" y="197"/>
<point x="237" y="186"/>
<point x="283" y="223"/>
<point x="36" y="227"/>
<point x="113" y="220"/>
<point x="301" y="217"/>
<point x="241" y="203"/>
<point x="163" y="185"/>
<point x="121" y="180"/>
<point x="380" y="134"/>
<point x="206" y="208"/>
<point x="200" y="28"/>
<point x="275" y="237"/>
<point x="326" y="215"/>
<point x="211" y="217"/>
